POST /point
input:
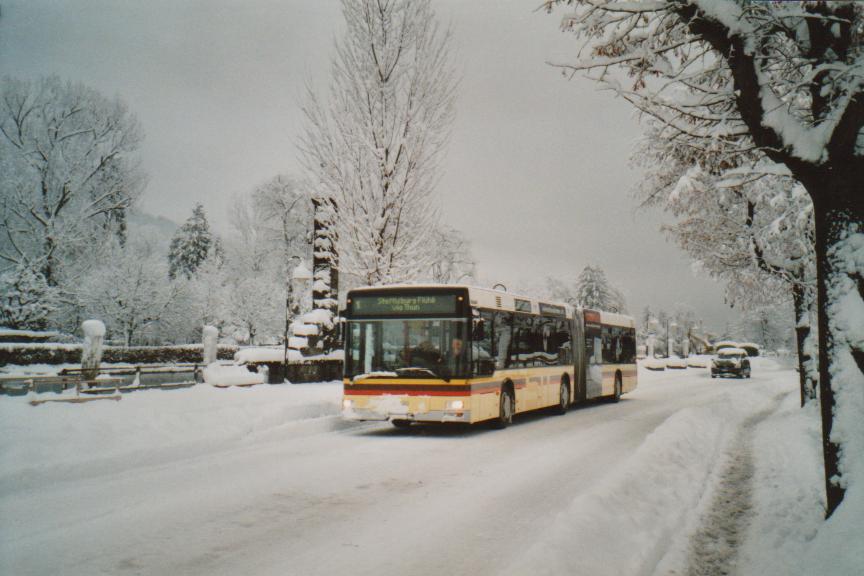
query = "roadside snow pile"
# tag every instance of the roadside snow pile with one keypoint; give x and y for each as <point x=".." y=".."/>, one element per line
<point x="56" y="440"/>
<point x="654" y="364"/>
<point x="231" y="375"/>
<point x="13" y="335"/>
<point x="676" y="363"/>
<point x="788" y="536"/>
<point x="268" y="354"/>
<point x="304" y="329"/>
<point x="627" y="525"/>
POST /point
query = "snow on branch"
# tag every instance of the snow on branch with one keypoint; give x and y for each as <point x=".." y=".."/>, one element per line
<point x="787" y="74"/>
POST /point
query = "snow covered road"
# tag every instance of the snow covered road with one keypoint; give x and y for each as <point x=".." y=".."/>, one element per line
<point x="269" y="480"/>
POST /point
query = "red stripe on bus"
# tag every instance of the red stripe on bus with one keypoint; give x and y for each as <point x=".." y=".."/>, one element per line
<point x="420" y="390"/>
<point x="400" y="392"/>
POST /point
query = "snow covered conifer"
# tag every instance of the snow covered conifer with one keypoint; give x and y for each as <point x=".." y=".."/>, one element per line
<point x="26" y="300"/>
<point x="191" y="245"/>
<point x="593" y="290"/>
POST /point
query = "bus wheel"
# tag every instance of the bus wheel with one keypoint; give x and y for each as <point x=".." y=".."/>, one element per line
<point x="616" y="396"/>
<point x="505" y="409"/>
<point x="401" y="423"/>
<point x="563" y="396"/>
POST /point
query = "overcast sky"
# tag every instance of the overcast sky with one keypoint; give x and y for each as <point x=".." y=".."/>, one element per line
<point x="536" y="175"/>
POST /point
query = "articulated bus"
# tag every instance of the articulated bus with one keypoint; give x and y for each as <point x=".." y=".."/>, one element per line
<point x="442" y="353"/>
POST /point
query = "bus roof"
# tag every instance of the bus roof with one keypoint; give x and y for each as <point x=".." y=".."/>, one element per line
<point x="613" y="319"/>
<point x="501" y="300"/>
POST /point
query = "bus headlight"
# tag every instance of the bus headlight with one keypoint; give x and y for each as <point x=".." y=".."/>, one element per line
<point x="455" y="405"/>
<point x="347" y="404"/>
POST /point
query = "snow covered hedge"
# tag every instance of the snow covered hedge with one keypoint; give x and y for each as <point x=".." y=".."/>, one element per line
<point x="71" y="353"/>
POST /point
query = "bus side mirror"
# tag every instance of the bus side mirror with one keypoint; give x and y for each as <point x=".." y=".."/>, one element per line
<point x="478" y="331"/>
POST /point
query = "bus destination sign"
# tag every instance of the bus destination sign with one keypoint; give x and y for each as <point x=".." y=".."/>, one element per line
<point x="404" y="305"/>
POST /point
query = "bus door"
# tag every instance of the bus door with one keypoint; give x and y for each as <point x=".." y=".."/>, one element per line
<point x="579" y="358"/>
<point x="593" y="355"/>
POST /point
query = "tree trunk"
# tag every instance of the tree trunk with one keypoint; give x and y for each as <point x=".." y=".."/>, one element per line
<point x="802" y="299"/>
<point x="839" y="216"/>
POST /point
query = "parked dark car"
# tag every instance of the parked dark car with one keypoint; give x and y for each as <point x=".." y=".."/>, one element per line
<point x="731" y="362"/>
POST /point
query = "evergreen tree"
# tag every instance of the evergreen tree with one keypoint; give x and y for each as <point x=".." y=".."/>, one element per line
<point x="26" y="299"/>
<point x="594" y="291"/>
<point x="191" y="245"/>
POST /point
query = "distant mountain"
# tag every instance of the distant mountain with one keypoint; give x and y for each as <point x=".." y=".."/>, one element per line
<point x="137" y="218"/>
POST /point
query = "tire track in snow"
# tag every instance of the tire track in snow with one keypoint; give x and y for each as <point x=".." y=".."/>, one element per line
<point x="713" y="548"/>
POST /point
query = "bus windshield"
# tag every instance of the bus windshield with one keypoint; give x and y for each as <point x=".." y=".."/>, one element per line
<point x="407" y="348"/>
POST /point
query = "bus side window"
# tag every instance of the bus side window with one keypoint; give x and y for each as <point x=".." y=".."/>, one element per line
<point x="503" y="338"/>
<point x="484" y="348"/>
<point x="630" y="346"/>
<point x="609" y="345"/>
<point x="520" y="348"/>
<point x="563" y="342"/>
<point x="598" y="351"/>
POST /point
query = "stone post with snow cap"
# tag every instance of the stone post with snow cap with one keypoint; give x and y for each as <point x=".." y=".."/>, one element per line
<point x="91" y="353"/>
<point x="652" y="336"/>
<point x="670" y="339"/>
<point x="301" y="276"/>
<point x="209" y="340"/>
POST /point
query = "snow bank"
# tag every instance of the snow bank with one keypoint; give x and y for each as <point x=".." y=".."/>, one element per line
<point x="265" y="354"/>
<point x="14" y="335"/>
<point x="788" y="536"/>
<point x="231" y="375"/>
<point x="56" y="440"/>
<point x="318" y="316"/>
<point x="627" y="525"/>
<point x="654" y="364"/>
<point x="304" y="329"/>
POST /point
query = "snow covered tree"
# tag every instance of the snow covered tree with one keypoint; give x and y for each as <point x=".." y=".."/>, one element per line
<point x="325" y="274"/>
<point x="750" y="227"/>
<point x="594" y="291"/>
<point x="452" y="260"/>
<point x="373" y="147"/>
<point x="282" y="210"/>
<point x="254" y="273"/>
<point x="769" y="326"/>
<point x="26" y="299"/>
<point x="779" y="81"/>
<point x="68" y="174"/>
<point x="191" y="245"/>
<point x="128" y="292"/>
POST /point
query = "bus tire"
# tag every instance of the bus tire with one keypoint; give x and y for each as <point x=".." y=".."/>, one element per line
<point x="506" y="407"/>
<point x="616" y="396"/>
<point x="563" y="396"/>
<point x="402" y="424"/>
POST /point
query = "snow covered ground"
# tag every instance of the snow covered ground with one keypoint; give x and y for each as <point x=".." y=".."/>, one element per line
<point x="687" y="475"/>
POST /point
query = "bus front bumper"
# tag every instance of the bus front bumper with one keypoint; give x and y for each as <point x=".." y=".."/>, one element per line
<point x="391" y="408"/>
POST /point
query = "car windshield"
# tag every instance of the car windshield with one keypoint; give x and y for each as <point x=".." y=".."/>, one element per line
<point x="407" y="349"/>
